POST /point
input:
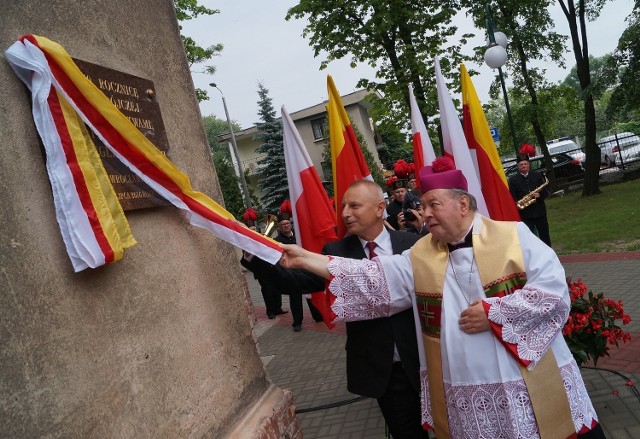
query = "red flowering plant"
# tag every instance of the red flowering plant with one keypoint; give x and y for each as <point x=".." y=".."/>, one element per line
<point x="591" y="327"/>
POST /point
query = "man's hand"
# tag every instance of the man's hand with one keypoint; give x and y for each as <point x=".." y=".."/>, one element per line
<point x="401" y="221"/>
<point x="473" y="319"/>
<point x="297" y="257"/>
<point x="418" y="223"/>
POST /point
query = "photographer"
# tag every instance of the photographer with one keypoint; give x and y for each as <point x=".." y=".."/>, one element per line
<point x="410" y="219"/>
<point x="397" y="192"/>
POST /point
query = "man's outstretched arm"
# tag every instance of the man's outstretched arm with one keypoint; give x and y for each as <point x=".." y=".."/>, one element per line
<point x="361" y="287"/>
<point x="285" y="280"/>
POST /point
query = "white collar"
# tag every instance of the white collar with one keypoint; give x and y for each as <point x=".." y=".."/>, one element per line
<point x="383" y="242"/>
<point x="472" y="226"/>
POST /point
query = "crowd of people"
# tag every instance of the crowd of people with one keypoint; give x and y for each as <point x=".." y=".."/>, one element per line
<point x="453" y="320"/>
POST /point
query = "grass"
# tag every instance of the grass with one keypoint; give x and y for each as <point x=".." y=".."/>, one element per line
<point x="606" y="222"/>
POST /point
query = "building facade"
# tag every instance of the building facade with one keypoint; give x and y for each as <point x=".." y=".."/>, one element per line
<point x="312" y="124"/>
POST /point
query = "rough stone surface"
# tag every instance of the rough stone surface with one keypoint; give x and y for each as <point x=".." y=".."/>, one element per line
<point x="273" y="417"/>
<point x="158" y="344"/>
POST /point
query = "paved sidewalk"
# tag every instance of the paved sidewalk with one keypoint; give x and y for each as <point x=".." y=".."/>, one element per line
<point x="312" y="362"/>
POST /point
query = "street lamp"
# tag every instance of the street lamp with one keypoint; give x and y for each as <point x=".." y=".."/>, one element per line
<point x="495" y="57"/>
<point x="245" y="189"/>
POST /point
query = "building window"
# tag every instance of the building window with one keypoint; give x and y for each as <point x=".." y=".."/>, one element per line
<point x="319" y="128"/>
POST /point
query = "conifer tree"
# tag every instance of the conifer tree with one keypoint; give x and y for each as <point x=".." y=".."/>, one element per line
<point x="273" y="180"/>
<point x="229" y="184"/>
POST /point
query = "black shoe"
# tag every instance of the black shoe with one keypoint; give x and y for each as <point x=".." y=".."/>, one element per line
<point x="271" y="316"/>
<point x="297" y="328"/>
<point x="281" y="312"/>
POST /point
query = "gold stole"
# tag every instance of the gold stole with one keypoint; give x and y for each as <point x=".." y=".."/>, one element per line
<point x="499" y="261"/>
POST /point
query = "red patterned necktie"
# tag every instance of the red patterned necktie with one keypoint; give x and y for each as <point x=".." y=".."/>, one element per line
<point x="371" y="245"/>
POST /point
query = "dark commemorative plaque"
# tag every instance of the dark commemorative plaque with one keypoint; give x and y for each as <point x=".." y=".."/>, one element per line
<point x="136" y="98"/>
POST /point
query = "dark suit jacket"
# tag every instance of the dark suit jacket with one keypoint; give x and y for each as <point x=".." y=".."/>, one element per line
<point x="369" y="342"/>
<point x="285" y="239"/>
<point x="519" y="186"/>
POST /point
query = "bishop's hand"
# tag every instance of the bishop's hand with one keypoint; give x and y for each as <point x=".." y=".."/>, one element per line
<point x="474" y="319"/>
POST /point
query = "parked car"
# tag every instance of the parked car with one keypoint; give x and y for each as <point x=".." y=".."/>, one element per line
<point x="606" y="144"/>
<point x="625" y="144"/>
<point x="565" y="167"/>
<point x="566" y="145"/>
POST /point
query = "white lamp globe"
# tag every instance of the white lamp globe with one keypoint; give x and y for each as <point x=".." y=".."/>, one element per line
<point x="501" y="38"/>
<point x="495" y="56"/>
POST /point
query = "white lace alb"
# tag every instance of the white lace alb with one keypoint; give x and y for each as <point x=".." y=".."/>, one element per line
<point x="360" y="288"/>
<point x="503" y="410"/>
<point x="530" y="319"/>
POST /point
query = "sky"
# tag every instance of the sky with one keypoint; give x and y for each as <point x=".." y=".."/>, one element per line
<point x="261" y="46"/>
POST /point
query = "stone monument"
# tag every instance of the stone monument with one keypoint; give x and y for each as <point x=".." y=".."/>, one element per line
<point x="160" y="343"/>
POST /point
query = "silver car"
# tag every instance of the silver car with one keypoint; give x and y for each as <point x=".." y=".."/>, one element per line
<point x="612" y="147"/>
<point x="566" y="145"/>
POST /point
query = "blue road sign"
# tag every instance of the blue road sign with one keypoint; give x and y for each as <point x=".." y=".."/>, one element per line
<point x="495" y="134"/>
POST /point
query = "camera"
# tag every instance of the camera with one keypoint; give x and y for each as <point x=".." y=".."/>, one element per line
<point x="411" y="201"/>
<point x="408" y="215"/>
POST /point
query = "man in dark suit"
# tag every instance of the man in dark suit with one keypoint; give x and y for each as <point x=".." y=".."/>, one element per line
<point x="520" y="184"/>
<point x="285" y="236"/>
<point x="382" y="354"/>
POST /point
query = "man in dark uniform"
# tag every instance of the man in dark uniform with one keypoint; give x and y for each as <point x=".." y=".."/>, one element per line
<point x="286" y="236"/>
<point x="382" y="354"/>
<point x="522" y="183"/>
<point x="397" y="190"/>
<point x="411" y="183"/>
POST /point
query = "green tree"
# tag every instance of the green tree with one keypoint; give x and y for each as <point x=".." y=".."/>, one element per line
<point x="624" y="105"/>
<point x="577" y="17"/>
<point x="603" y="75"/>
<point x="229" y="184"/>
<point x="398" y="38"/>
<point x="497" y="117"/>
<point x="560" y="107"/>
<point x="215" y="127"/>
<point x="604" y="120"/>
<point x="604" y="72"/>
<point x="271" y="166"/>
<point x="564" y="112"/>
<point x="528" y="24"/>
<point x="188" y="10"/>
<point x="394" y="145"/>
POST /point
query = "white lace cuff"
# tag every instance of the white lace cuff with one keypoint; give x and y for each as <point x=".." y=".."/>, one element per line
<point x="530" y="320"/>
<point x="360" y="288"/>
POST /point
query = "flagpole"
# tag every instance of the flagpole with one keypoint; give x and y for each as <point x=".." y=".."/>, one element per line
<point x="496" y="56"/>
<point x="245" y="189"/>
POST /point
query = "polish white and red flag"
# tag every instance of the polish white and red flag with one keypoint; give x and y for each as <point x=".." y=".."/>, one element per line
<point x="423" y="153"/>
<point x="314" y="218"/>
<point x="455" y="143"/>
